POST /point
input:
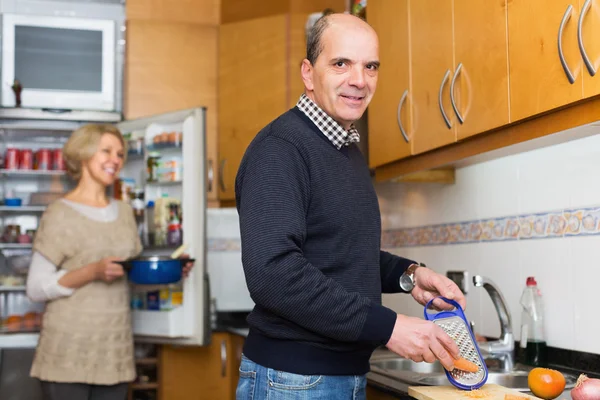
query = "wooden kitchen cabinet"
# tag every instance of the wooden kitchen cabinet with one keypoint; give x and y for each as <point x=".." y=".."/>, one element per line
<point x="590" y="35"/>
<point x="390" y="111"/>
<point x="252" y="88"/>
<point x="374" y="394"/>
<point x="233" y="58"/>
<point x="481" y="66"/>
<point x="201" y="373"/>
<point x="172" y="66"/>
<point x="455" y="75"/>
<point x="538" y="81"/>
<point x="432" y="66"/>
<point x="510" y="85"/>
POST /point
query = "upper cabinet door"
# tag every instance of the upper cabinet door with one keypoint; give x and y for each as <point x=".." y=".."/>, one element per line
<point x="588" y="36"/>
<point x="434" y="121"/>
<point x="545" y="63"/>
<point x="252" y="89"/>
<point x="390" y="114"/>
<point x="480" y="80"/>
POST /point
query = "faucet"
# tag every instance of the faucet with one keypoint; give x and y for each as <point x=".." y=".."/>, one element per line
<point x="503" y="347"/>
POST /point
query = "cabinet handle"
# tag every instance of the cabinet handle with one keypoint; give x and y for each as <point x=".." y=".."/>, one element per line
<point x="211" y="175"/>
<point x="446" y="76"/>
<point x="454" y="106"/>
<point x="586" y="59"/>
<point x="223" y="358"/>
<point x="402" y="100"/>
<point x="565" y="18"/>
<point x="222" y="175"/>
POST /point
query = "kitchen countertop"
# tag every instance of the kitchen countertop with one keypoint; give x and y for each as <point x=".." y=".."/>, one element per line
<point x="388" y="385"/>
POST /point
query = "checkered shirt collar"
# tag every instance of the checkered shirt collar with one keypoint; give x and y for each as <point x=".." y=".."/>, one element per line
<point x="330" y="128"/>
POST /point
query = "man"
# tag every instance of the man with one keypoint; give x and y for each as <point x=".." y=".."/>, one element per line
<point x="311" y="229"/>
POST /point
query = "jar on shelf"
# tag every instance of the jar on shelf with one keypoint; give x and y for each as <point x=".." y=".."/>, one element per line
<point x="152" y="166"/>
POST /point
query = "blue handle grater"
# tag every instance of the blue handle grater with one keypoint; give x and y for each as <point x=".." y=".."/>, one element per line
<point x="455" y="324"/>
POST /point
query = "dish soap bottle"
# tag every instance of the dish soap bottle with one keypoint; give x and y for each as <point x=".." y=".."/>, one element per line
<point x="533" y="337"/>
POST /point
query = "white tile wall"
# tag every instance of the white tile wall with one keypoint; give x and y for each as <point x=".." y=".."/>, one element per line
<point x="567" y="268"/>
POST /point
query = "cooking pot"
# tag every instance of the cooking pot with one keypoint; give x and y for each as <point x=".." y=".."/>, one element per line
<point x="154" y="270"/>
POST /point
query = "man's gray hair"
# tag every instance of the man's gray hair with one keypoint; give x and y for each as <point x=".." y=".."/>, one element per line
<point x="314" y="47"/>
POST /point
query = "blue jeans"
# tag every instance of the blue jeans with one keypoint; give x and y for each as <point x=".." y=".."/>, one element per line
<point x="261" y="383"/>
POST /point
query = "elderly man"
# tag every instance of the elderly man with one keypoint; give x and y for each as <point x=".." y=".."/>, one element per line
<point x="311" y="232"/>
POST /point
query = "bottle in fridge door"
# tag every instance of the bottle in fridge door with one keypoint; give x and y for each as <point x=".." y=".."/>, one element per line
<point x="174" y="212"/>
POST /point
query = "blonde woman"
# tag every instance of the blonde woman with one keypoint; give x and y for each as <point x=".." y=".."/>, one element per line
<point x="85" y="351"/>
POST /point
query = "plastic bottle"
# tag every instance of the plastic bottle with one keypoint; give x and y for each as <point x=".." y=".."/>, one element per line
<point x="533" y="336"/>
<point x="150" y="225"/>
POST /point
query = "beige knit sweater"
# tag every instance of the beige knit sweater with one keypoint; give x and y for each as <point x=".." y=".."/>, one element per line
<point x="87" y="337"/>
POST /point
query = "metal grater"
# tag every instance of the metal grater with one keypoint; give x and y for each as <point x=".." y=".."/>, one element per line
<point x="454" y="323"/>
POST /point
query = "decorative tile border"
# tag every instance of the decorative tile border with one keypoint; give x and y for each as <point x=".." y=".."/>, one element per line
<point x="565" y="223"/>
<point x="221" y="245"/>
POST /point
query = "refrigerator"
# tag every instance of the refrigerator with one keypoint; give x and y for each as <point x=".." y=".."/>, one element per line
<point x="171" y="147"/>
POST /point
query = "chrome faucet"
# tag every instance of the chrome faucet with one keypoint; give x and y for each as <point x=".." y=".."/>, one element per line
<point x="505" y="345"/>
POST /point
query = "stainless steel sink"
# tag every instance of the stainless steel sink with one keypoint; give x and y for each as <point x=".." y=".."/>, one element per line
<point x="413" y="373"/>
<point x="403" y="364"/>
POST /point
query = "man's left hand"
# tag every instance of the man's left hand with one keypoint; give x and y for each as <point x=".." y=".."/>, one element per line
<point x="430" y="284"/>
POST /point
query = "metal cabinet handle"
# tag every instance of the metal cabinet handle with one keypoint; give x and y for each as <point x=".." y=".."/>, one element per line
<point x="223" y="358"/>
<point x="222" y="175"/>
<point x="454" y="106"/>
<point x="565" y="18"/>
<point x="402" y="131"/>
<point x="586" y="59"/>
<point x="211" y="175"/>
<point x="446" y="76"/>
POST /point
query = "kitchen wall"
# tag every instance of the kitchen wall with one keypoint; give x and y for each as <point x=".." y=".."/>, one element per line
<point x="532" y="214"/>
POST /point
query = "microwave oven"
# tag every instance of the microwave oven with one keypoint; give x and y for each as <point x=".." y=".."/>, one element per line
<point x="60" y="62"/>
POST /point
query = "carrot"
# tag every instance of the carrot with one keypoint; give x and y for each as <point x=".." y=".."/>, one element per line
<point x="514" y="397"/>
<point x="465" y="365"/>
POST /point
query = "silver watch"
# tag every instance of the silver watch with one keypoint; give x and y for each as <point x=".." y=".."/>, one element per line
<point x="407" y="279"/>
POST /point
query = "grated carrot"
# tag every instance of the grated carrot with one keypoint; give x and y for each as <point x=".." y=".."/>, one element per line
<point x="477" y="394"/>
<point x="515" y="397"/>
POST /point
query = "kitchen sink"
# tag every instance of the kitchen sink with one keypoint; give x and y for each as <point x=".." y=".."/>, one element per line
<point x="413" y="373"/>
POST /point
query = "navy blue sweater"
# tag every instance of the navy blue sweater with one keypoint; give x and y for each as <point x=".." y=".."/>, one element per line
<point x="311" y="234"/>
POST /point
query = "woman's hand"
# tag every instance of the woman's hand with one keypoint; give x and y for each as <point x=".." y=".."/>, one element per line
<point x="188" y="265"/>
<point x="107" y="270"/>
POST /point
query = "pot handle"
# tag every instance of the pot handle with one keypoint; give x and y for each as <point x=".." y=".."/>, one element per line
<point x="186" y="260"/>
<point x="127" y="265"/>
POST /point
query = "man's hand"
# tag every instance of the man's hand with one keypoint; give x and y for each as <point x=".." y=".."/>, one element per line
<point x="430" y="284"/>
<point x="421" y="340"/>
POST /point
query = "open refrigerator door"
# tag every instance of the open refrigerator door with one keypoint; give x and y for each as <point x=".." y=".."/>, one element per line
<point x="164" y="181"/>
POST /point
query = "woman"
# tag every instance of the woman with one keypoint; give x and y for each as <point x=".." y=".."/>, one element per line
<point x="85" y="350"/>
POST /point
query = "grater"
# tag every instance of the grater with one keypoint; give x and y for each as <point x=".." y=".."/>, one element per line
<point x="455" y="324"/>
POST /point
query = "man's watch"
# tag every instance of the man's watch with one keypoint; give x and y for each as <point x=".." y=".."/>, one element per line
<point x="407" y="279"/>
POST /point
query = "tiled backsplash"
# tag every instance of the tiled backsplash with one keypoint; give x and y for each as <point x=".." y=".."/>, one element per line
<point x="571" y="222"/>
<point x="533" y="214"/>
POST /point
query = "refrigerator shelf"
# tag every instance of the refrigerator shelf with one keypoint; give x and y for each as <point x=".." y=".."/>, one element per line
<point x="24" y="173"/>
<point x="15" y="246"/>
<point x="12" y="289"/>
<point x="22" y="209"/>
<point x="164" y="183"/>
<point x="11" y="331"/>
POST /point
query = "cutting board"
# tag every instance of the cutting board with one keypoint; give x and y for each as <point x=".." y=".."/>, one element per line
<point x="493" y="392"/>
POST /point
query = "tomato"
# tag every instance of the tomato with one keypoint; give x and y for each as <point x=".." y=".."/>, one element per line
<point x="546" y="383"/>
